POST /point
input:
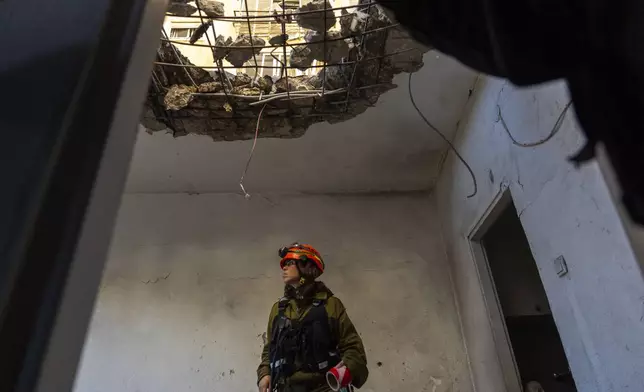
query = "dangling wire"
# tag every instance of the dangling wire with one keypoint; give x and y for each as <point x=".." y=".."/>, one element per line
<point x="552" y="133"/>
<point x="250" y="155"/>
<point x="411" y="98"/>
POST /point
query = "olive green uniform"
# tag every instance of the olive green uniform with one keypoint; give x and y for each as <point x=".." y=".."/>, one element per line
<point x="350" y="344"/>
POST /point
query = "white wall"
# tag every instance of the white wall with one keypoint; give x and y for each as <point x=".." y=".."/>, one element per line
<point x="386" y="148"/>
<point x="599" y="305"/>
<point x="190" y="281"/>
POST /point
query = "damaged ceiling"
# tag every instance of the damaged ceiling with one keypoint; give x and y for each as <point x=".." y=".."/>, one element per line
<point x="387" y="148"/>
<point x="349" y="56"/>
<point x="335" y="134"/>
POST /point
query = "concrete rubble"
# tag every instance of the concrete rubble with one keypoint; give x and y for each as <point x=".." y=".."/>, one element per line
<point x="219" y="53"/>
<point x="225" y="106"/>
<point x="315" y="21"/>
<point x="211" y="8"/>
<point x="239" y="56"/>
<point x="179" y="96"/>
<point x="333" y="51"/>
<point x="181" y="8"/>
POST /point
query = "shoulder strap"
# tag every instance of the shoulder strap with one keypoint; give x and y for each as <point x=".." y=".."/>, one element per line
<point x="281" y="313"/>
<point x="282" y="304"/>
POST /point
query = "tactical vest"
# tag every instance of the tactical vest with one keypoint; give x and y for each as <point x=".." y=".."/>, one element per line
<point x="306" y="345"/>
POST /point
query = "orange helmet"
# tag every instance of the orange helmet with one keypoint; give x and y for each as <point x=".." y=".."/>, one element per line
<point x="301" y="252"/>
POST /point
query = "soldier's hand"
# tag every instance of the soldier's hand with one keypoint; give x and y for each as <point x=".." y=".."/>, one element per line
<point x="265" y="384"/>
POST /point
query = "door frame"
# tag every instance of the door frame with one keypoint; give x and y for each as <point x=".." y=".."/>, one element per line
<point x="502" y="344"/>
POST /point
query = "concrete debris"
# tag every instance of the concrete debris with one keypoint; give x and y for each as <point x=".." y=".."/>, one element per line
<point x="220" y="53"/>
<point x="409" y="53"/>
<point x="210" y="87"/>
<point x="246" y="90"/>
<point x="225" y="106"/>
<point x="356" y="23"/>
<point x="297" y="83"/>
<point x="337" y="77"/>
<point x="169" y="75"/>
<point x="264" y="83"/>
<point x="237" y="56"/>
<point x="333" y="51"/>
<point x="179" y="96"/>
<point x="301" y="57"/>
<point x="315" y="21"/>
<point x="241" y="79"/>
<point x="179" y="8"/>
<point x="211" y="8"/>
<point x="200" y="31"/>
<point x="278" y="39"/>
<point x="335" y="48"/>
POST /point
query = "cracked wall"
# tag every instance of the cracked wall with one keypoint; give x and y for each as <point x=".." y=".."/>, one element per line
<point x="598" y="306"/>
<point x="190" y="280"/>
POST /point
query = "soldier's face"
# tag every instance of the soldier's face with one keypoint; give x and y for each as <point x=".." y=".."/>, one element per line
<point x="290" y="275"/>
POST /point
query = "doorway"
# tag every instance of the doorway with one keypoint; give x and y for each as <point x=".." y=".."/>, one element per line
<point x="528" y="342"/>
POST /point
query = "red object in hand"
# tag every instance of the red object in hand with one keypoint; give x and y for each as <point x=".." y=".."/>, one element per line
<point x="338" y="377"/>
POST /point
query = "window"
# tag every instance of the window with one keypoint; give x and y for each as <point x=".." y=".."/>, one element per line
<point x="181" y="34"/>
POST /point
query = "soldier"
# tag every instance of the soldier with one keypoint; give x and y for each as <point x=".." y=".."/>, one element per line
<point x="311" y="346"/>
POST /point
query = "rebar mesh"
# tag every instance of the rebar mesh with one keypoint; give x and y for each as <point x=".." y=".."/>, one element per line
<point x="361" y="50"/>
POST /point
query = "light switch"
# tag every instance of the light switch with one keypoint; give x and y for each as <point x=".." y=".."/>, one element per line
<point x="560" y="266"/>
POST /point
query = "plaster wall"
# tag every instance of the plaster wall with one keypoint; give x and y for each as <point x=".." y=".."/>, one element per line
<point x="190" y="280"/>
<point x="599" y="305"/>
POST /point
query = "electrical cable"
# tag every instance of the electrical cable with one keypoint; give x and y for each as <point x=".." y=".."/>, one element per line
<point x="250" y="155"/>
<point x="552" y="133"/>
<point x="451" y="146"/>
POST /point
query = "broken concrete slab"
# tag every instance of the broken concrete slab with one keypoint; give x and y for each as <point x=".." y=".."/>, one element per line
<point x="178" y="8"/>
<point x="238" y="56"/>
<point x="241" y="79"/>
<point x="298" y="83"/>
<point x="356" y="24"/>
<point x="264" y="83"/>
<point x="200" y="31"/>
<point x="301" y="57"/>
<point x="211" y="8"/>
<point x="169" y="75"/>
<point x="210" y="87"/>
<point x="221" y="51"/>
<point x="337" y="77"/>
<point x="278" y="39"/>
<point x="410" y="56"/>
<point x="179" y="96"/>
<point x="246" y="90"/>
<point x="332" y="52"/>
<point x="316" y="21"/>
